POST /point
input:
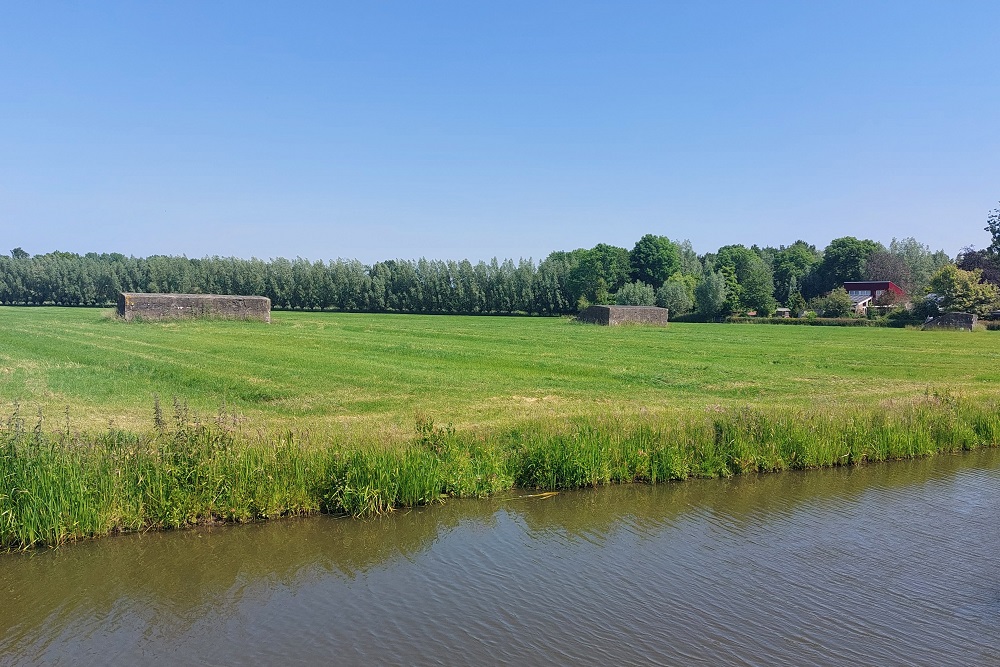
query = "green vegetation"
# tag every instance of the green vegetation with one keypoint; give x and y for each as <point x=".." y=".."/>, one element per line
<point x="337" y="373"/>
<point x="835" y="304"/>
<point x="61" y="487"/>
<point x="710" y="295"/>
<point x="654" y="259"/>
<point x="675" y="297"/>
<point x="752" y="279"/>
<point x="346" y="412"/>
<point x="636" y="294"/>
<point x="810" y="321"/>
<point x="963" y="291"/>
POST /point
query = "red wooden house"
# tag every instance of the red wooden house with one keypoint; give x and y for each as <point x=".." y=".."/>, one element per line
<point x="864" y="293"/>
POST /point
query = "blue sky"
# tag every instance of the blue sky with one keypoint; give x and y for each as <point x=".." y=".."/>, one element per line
<point x="472" y="129"/>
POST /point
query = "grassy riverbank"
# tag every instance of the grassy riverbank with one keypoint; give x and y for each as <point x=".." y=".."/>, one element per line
<point x="61" y="487"/>
<point x="337" y="412"/>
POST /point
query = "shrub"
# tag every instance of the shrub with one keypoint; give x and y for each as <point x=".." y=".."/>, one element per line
<point x="836" y="303"/>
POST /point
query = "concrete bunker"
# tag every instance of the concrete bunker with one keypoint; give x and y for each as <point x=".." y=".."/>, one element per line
<point x="613" y="315"/>
<point x="138" y="305"/>
<point x="958" y="321"/>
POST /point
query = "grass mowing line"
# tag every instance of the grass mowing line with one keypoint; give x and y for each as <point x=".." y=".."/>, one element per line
<point x="180" y="370"/>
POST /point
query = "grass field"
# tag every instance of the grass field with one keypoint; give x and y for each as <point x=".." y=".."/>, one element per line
<point x="374" y="373"/>
<point x="354" y="413"/>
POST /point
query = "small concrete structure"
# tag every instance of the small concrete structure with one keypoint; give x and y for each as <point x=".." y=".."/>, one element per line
<point x="957" y="321"/>
<point x="611" y="315"/>
<point x="132" y="305"/>
<point x="782" y="312"/>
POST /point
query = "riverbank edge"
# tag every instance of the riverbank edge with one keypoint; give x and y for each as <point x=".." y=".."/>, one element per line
<point x="61" y="487"/>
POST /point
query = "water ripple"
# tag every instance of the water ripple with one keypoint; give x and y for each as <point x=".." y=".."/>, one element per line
<point x="886" y="565"/>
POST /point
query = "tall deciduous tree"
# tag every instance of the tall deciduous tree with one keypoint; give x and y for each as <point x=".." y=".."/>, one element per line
<point x="920" y="261"/>
<point x="758" y="288"/>
<point x="993" y="227"/>
<point x="601" y="271"/>
<point x="636" y="294"/>
<point x="710" y="295"/>
<point x="690" y="264"/>
<point x="792" y="264"/>
<point x="970" y="259"/>
<point x="674" y="297"/>
<point x="654" y="259"/>
<point x="738" y="257"/>
<point x="749" y="280"/>
<point x="844" y="260"/>
<point x="884" y="265"/>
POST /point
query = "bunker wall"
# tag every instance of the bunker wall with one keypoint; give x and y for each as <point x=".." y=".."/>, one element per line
<point x="613" y="315"/>
<point x="960" y="321"/>
<point x="132" y="305"/>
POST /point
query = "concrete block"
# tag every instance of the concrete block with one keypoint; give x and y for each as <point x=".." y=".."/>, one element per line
<point x="132" y="305"/>
<point x="613" y="315"/>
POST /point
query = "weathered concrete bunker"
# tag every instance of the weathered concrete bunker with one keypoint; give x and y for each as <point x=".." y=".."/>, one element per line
<point x="612" y="315"/>
<point x="132" y="305"/>
<point x="959" y="321"/>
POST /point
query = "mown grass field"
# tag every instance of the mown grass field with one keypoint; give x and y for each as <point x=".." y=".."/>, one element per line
<point x="373" y="374"/>
<point x="350" y="413"/>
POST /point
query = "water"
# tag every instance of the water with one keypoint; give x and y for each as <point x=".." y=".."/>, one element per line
<point x="896" y="564"/>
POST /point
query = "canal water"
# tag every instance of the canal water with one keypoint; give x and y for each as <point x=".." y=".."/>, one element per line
<point x="894" y="564"/>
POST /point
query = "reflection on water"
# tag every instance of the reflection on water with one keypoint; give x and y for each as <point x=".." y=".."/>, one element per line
<point x="890" y="564"/>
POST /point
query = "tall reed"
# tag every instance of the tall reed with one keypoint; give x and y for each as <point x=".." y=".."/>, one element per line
<point x="58" y="487"/>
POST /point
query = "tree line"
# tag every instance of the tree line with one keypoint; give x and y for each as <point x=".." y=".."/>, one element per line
<point x="410" y="286"/>
<point x="734" y="279"/>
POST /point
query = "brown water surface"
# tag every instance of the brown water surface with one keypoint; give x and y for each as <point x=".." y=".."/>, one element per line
<point x="896" y="564"/>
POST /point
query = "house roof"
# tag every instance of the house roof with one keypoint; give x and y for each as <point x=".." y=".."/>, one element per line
<point x="873" y="286"/>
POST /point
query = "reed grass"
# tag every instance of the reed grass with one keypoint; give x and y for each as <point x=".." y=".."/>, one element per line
<point x="61" y="486"/>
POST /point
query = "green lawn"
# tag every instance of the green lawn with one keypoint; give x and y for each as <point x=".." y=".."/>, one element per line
<point x="322" y="371"/>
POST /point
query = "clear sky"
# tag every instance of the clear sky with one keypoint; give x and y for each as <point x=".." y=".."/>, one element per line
<point x="376" y="130"/>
